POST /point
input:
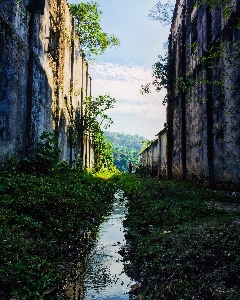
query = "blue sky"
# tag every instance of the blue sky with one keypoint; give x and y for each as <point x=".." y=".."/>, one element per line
<point x="121" y="71"/>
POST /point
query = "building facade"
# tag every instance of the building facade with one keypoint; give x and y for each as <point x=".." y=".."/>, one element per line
<point x="154" y="157"/>
<point x="203" y="107"/>
<point x="43" y="79"/>
<point x="203" y="114"/>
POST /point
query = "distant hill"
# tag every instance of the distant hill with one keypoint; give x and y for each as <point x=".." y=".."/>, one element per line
<point x="126" y="148"/>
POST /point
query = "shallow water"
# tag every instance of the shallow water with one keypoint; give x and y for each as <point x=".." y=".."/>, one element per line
<point x="105" y="278"/>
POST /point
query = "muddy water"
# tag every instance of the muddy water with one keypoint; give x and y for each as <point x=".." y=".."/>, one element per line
<point x="105" y="278"/>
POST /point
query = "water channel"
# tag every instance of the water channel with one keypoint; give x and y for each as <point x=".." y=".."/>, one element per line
<point x="105" y="278"/>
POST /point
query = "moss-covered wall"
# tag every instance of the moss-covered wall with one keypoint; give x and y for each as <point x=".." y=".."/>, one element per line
<point x="154" y="157"/>
<point x="203" y="119"/>
<point x="44" y="78"/>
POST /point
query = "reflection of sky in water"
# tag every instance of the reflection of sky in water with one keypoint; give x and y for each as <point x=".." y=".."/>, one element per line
<point x="105" y="278"/>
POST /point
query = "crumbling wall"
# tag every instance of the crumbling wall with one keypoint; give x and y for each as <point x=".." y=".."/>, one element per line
<point x="203" y="113"/>
<point x="14" y="57"/>
<point x="154" y="157"/>
<point x="196" y="97"/>
<point x="162" y="142"/>
<point x="44" y="79"/>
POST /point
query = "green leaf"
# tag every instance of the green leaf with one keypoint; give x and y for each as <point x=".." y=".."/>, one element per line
<point x="93" y="39"/>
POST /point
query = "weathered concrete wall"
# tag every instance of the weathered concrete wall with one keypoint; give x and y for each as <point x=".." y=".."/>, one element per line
<point x="203" y="119"/>
<point x="162" y="142"/>
<point x="14" y="56"/>
<point x="154" y="157"/>
<point x="44" y="79"/>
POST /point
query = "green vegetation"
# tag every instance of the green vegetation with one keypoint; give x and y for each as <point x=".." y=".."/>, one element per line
<point x="46" y="209"/>
<point x="90" y="123"/>
<point x="125" y="140"/>
<point x="94" y="40"/>
<point x="43" y="221"/>
<point x="162" y="74"/>
<point x="94" y="118"/>
<point x="182" y="239"/>
<point x="126" y="148"/>
<point x="45" y="156"/>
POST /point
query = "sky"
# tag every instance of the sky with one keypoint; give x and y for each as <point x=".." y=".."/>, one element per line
<point x="121" y="71"/>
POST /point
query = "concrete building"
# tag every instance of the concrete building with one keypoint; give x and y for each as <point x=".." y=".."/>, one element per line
<point x="154" y="157"/>
<point x="203" y="96"/>
<point x="203" y="107"/>
<point x="43" y="79"/>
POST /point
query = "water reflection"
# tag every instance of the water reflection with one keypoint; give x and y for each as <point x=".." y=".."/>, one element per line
<point x="105" y="278"/>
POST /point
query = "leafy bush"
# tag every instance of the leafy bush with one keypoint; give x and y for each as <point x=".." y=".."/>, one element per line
<point x="45" y="156"/>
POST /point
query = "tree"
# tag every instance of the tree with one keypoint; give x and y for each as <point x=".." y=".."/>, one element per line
<point x="95" y="112"/>
<point x="162" y="12"/>
<point x="161" y="73"/>
<point x="94" y="117"/>
<point x="125" y="149"/>
<point x="103" y="152"/>
<point x="93" y="39"/>
<point x="90" y="121"/>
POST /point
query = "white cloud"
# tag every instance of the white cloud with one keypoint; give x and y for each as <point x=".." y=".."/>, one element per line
<point x="124" y="84"/>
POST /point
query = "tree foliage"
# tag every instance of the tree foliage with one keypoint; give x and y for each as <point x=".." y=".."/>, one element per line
<point x="95" y="112"/>
<point x="94" y="117"/>
<point x="161" y="73"/>
<point x="126" y="148"/>
<point x="125" y="140"/>
<point x="103" y="152"/>
<point x="91" y="121"/>
<point x="93" y="39"/>
<point x="162" y="12"/>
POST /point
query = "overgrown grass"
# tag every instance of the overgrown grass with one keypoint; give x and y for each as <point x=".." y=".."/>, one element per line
<point x="43" y="220"/>
<point x="180" y="244"/>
